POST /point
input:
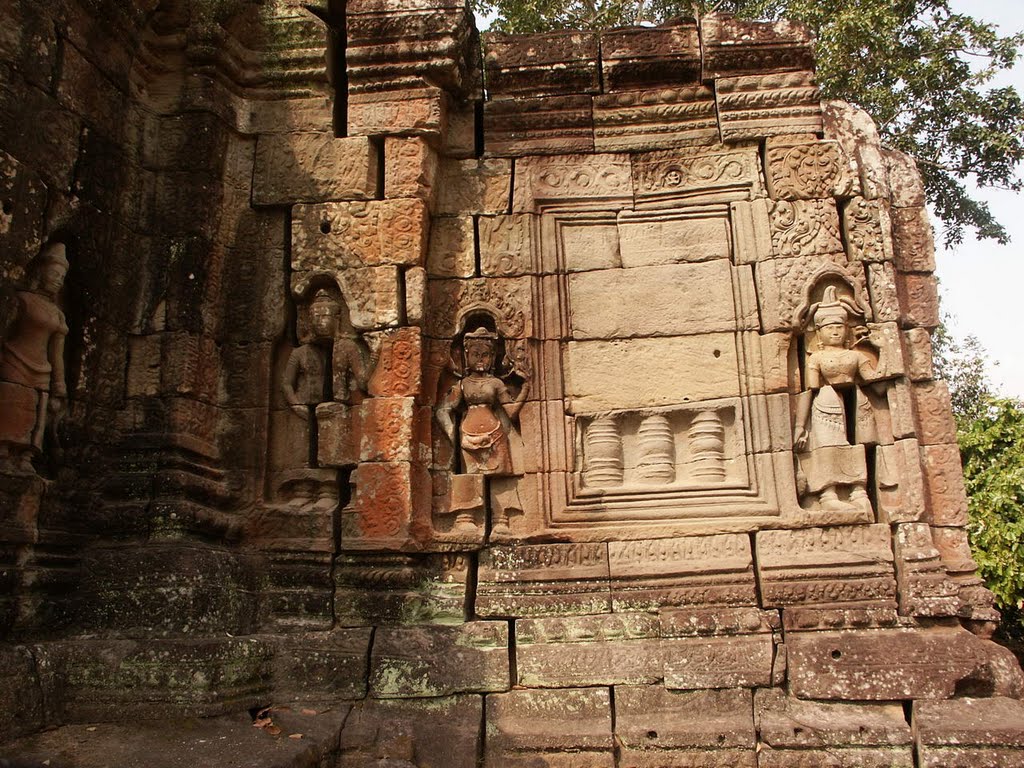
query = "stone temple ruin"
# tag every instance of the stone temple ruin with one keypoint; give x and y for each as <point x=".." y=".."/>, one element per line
<point x="568" y="404"/>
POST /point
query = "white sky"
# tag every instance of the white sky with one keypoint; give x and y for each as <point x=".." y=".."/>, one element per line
<point x="981" y="282"/>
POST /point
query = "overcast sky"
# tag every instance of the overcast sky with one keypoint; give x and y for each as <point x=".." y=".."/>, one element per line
<point x="982" y="283"/>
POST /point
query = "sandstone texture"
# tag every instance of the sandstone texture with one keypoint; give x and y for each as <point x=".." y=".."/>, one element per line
<point x="588" y="420"/>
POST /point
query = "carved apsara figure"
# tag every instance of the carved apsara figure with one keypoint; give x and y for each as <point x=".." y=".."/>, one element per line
<point x="329" y="366"/>
<point x="332" y="360"/>
<point x="830" y="446"/>
<point x="488" y="408"/>
<point x="33" y="391"/>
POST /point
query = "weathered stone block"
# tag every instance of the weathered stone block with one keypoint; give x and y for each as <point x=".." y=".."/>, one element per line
<point x="388" y="502"/>
<point x="944" y="478"/>
<point x="399" y="369"/>
<point x="641" y="120"/>
<point x="566" y="728"/>
<point x="416" y="662"/>
<point x="543" y="580"/>
<point x="692" y="570"/>
<point x="551" y="63"/>
<point x="452" y="249"/>
<point x="721" y="174"/>
<point x="913" y="239"/>
<point x="703" y="367"/>
<point x="507" y="245"/>
<point x="548" y="125"/>
<point x="424" y="730"/>
<point x="734" y="46"/>
<point x="545" y="180"/>
<point x="658" y="727"/>
<point x="825" y="565"/>
<point x="934" y="410"/>
<point x="925" y="588"/>
<point x="754" y="107"/>
<point x="400" y="589"/>
<point x="917" y="351"/>
<point x="919" y="300"/>
<point x="803" y="228"/>
<point x="323" y="664"/>
<point x="969" y="732"/>
<point x="885" y="302"/>
<point x="97" y="680"/>
<point x="751" y="231"/>
<point x="891" y="664"/>
<point x="904" y="180"/>
<point x="410" y="169"/>
<point x="510" y="298"/>
<point x="337" y="441"/>
<point x="720" y="648"/>
<point x="647" y="239"/>
<point x="415" y="296"/>
<point x="603" y="303"/>
<point x="794" y="733"/>
<point x="900" y="491"/>
<point x="331" y="237"/>
<point x="611" y="649"/>
<point x="474" y="186"/>
<point x="807" y="169"/>
<point x="20" y="693"/>
<point x="392" y="429"/>
<point x="668" y="55"/>
<point x="868" y="230"/>
<point x="416" y="111"/>
<point x="313" y="168"/>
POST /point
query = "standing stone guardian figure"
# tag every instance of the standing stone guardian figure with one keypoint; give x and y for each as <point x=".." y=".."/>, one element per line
<point x="33" y="390"/>
<point x="487" y="406"/>
<point x="834" y="417"/>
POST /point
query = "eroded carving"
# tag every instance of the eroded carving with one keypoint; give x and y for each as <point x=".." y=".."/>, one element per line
<point x="33" y="391"/>
<point x="835" y="417"/>
<point x="487" y="405"/>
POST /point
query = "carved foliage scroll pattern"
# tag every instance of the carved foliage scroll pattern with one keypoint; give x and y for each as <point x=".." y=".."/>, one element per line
<point x="802" y="227"/>
<point x="808" y="171"/>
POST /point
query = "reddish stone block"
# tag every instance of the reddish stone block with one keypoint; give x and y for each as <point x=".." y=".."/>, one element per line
<point x="913" y="240"/>
<point x="934" y="410"/>
<point x="389" y="503"/>
<point x="399" y="369"/>
<point x="944" y="478"/>
<point x="891" y="664"/>
<point x="919" y="300"/>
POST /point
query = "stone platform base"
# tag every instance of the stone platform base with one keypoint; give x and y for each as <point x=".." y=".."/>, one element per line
<point x="308" y="738"/>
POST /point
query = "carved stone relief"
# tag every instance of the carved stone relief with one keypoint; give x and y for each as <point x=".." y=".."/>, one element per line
<point x="33" y="390"/>
<point x="322" y="377"/>
<point x="843" y="407"/>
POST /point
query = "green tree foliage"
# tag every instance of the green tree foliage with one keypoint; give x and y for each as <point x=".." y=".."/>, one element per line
<point x="920" y="70"/>
<point x="992" y="451"/>
<point x="990" y="431"/>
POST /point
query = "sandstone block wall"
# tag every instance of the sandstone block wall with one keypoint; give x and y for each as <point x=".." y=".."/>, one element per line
<point x="565" y="404"/>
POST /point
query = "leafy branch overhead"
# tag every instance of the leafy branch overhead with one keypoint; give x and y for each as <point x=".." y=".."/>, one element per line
<point x="923" y="72"/>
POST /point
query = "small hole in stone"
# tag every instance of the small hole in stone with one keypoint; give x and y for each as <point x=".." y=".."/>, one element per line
<point x="8" y="207"/>
<point x="836" y="654"/>
<point x="325" y="227"/>
<point x="721" y="738"/>
<point x="652" y="735"/>
<point x="717" y="353"/>
<point x="797" y="731"/>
